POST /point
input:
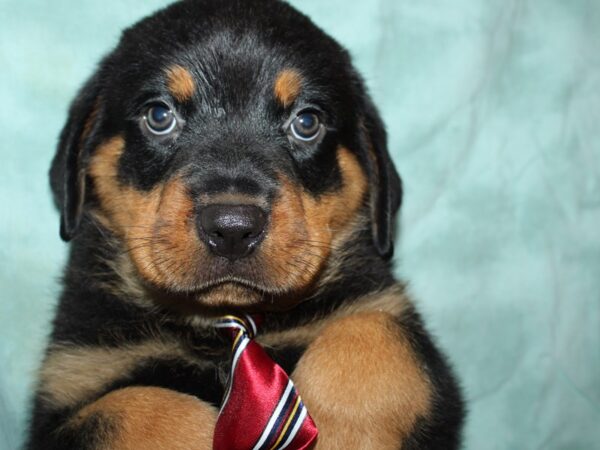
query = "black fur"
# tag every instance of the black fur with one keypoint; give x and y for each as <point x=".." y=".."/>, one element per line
<point x="233" y="140"/>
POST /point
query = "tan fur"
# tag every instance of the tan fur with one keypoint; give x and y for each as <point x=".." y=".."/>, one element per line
<point x="153" y="418"/>
<point x="361" y="376"/>
<point x="157" y="226"/>
<point x="72" y="374"/>
<point x="228" y="293"/>
<point x="196" y="313"/>
<point x="341" y="207"/>
<point x="287" y="86"/>
<point x="304" y="227"/>
<point x="180" y="83"/>
<point x="392" y="301"/>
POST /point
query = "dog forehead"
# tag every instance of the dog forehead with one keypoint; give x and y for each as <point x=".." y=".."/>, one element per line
<point x="230" y="41"/>
<point x="199" y="21"/>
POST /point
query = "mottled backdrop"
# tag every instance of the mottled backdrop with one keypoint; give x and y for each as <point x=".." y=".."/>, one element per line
<point x="493" y="108"/>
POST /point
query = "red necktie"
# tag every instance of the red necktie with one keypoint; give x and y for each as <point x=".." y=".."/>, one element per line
<point x="261" y="409"/>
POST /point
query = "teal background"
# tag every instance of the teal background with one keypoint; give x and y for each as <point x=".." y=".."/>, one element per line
<point x="493" y="108"/>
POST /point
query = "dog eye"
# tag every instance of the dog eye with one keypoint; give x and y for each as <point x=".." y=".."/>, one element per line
<point x="159" y="119"/>
<point x="306" y="126"/>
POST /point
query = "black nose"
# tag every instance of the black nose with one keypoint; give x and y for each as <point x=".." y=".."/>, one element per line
<point x="232" y="231"/>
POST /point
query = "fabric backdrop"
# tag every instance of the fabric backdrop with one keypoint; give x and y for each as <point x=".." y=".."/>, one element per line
<point x="493" y="108"/>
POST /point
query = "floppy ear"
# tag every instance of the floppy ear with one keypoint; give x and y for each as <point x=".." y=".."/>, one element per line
<point x="67" y="173"/>
<point x="386" y="191"/>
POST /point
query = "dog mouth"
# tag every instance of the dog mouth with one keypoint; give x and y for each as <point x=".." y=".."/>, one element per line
<point x="255" y="283"/>
<point x="250" y="279"/>
<point x="235" y="292"/>
<point x="240" y="282"/>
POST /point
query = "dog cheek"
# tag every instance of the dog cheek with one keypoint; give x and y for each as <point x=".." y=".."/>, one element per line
<point x="286" y="264"/>
<point x="336" y="211"/>
<point x="176" y="248"/>
<point x="306" y="229"/>
<point x="156" y="226"/>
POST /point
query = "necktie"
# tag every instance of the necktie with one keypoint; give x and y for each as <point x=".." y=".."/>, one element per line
<point x="261" y="408"/>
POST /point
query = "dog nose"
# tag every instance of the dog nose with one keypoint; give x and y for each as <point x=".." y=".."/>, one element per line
<point x="232" y="231"/>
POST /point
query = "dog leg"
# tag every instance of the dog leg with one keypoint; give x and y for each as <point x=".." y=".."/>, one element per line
<point x="140" y="418"/>
<point x="363" y="384"/>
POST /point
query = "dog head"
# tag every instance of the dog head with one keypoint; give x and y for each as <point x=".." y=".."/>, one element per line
<point x="231" y="148"/>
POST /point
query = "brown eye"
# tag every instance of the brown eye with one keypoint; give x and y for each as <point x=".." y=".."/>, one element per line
<point x="306" y="126"/>
<point x="159" y="119"/>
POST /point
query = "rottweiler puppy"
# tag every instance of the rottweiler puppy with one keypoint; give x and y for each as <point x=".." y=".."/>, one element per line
<point x="226" y="158"/>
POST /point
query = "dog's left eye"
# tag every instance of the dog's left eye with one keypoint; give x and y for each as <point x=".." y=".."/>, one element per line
<point x="306" y="126"/>
<point x="160" y="119"/>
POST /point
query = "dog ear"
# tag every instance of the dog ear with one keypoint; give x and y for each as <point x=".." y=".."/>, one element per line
<point x="386" y="191"/>
<point x="67" y="172"/>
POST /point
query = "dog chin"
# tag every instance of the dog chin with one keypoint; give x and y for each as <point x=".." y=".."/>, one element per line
<point x="233" y="295"/>
<point x="229" y="293"/>
<point x="223" y="296"/>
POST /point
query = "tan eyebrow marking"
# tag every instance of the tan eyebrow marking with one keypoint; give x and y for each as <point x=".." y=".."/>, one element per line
<point x="180" y="83"/>
<point x="287" y="86"/>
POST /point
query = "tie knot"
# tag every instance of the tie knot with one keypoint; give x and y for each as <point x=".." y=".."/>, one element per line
<point x="233" y="325"/>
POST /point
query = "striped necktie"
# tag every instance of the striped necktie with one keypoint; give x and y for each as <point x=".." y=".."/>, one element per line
<point x="261" y="409"/>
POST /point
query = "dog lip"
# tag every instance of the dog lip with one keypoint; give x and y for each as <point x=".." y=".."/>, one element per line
<point x="224" y="280"/>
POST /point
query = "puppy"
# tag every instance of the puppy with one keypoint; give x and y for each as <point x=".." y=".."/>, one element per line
<point x="226" y="158"/>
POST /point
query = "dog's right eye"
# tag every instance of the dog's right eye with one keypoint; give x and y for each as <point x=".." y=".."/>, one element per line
<point x="306" y="127"/>
<point x="160" y="119"/>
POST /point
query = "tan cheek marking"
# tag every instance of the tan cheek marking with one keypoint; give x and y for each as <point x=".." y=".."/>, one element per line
<point x="180" y="83"/>
<point x="333" y="211"/>
<point x="156" y="226"/>
<point x="305" y="228"/>
<point x="131" y="213"/>
<point x="282" y="252"/>
<point x="287" y="86"/>
<point x="152" y="417"/>
<point x="69" y="374"/>
<point x="177" y="247"/>
<point x="361" y="371"/>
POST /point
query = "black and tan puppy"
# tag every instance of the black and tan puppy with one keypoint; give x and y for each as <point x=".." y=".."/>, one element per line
<point x="225" y="158"/>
